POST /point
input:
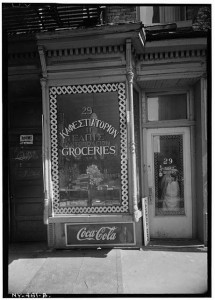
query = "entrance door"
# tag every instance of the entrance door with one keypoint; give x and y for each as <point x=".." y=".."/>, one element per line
<point x="169" y="182"/>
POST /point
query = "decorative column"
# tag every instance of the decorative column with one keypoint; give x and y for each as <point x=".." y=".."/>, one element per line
<point x="45" y="138"/>
<point x="45" y="152"/>
<point x="132" y="146"/>
<point x="204" y="154"/>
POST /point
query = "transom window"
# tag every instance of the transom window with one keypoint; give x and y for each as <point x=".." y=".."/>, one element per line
<point x="167" y="107"/>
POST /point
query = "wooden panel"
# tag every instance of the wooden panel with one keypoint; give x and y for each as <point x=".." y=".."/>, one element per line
<point x="26" y="115"/>
<point x="31" y="209"/>
<point x="29" y="231"/>
<point x="18" y="90"/>
<point x="28" y="200"/>
<point x="26" y="191"/>
<point x="26" y="172"/>
<point x="29" y="173"/>
<point x="30" y="226"/>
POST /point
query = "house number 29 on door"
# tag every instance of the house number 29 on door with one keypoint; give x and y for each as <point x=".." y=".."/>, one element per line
<point x="167" y="161"/>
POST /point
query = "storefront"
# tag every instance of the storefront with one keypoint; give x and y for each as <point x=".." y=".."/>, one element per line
<point x="123" y="124"/>
<point x="90" y="161"/>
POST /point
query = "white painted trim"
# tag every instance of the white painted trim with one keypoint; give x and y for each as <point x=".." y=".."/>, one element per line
<point x="146" y="230"/>
<point x="184" y="222"/>
<point x="168" y="124"/>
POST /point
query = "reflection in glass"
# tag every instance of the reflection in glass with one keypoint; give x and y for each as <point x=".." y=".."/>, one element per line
<point x="170" y="192"/>
<point x="168" y="166"/>
<point x="89" y="161"/>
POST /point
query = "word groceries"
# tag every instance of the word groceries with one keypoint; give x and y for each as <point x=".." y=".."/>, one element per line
<point x="87" y="151"/>
<point x="89" y="123"/>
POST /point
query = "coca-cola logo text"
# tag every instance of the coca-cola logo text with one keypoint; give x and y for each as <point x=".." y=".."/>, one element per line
<point x="102" y="234"/>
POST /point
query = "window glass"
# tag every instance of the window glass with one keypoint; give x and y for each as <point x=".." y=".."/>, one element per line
<point x="89" y="150"/>
<point x="167" y="107"/>
<point x="150" y="15"/>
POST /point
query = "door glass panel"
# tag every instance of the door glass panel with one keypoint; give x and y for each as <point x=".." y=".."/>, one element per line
<point x="169" y="174"/>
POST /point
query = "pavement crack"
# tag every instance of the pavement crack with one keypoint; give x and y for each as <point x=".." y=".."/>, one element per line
<point x="119" y="272"/>
<point x="79" y="271"/>
<point x="86" y="284"/>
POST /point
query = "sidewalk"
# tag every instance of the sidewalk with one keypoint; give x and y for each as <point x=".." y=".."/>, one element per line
<point x="151" y="270"/>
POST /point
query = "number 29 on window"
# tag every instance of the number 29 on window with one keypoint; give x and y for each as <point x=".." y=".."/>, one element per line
<point x="87" y="110"/>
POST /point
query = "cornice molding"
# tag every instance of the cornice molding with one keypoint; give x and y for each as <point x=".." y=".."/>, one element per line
<point x="86" y="51"/>
<point x="177" y="54"/>
<point x="83" y="51"/>
<point x="23" y="55"/>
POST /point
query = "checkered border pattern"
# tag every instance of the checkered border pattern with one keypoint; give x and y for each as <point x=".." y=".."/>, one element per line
<point x="83" y="89"/>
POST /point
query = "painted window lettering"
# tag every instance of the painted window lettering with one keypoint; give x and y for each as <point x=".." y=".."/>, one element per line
<point x="89" y="123"/>
<point x="87" y="110"/>
<point x="86" y="151"/>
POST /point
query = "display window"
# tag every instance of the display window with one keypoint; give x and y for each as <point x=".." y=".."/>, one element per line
<point x="89" y="148"/>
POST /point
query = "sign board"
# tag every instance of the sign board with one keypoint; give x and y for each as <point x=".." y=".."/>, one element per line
<point x="27" y="139"/>
<point x="107" y="234"/>
<point x="145" y="221"/>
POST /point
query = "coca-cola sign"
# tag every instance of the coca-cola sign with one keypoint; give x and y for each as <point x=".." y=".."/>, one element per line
<point x="98" y="234"/>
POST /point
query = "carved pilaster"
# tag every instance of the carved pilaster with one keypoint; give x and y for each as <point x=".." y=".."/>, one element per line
<point x="45" y="153"/>
<point x="43" y="60"/>
<point x="133" y="147"/>
<point x="43" y="82"/>
<point x="130" y="76"/>
<point x="144" y="107"/>
<point x="133" y="171"/>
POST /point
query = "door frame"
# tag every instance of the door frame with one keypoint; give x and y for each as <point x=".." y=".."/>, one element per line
<point x="164" y="221"/>
<point x="189" y="122"/>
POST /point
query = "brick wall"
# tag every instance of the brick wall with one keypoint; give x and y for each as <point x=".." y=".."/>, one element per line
<point x="121" y="14"/>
